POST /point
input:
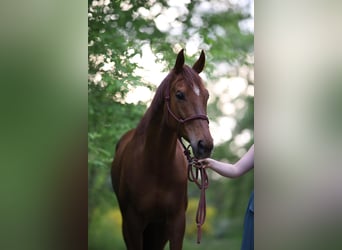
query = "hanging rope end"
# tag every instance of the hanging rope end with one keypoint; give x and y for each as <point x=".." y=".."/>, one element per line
<point x="199" y="233"/>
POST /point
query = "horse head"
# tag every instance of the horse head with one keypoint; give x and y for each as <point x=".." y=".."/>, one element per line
<point x="186" y="102"/>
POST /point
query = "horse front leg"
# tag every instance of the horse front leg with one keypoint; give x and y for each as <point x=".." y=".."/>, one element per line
<point x="132" y="229"/>
<point x="176" y="229"/>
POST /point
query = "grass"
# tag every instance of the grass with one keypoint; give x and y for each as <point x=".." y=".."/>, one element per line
<point x="212" y="244"/>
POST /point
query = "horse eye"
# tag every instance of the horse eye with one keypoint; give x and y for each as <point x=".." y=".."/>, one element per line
<point x="180" y="95"/>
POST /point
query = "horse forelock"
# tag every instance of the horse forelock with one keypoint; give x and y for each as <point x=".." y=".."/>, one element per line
<point x="191" y="77"/>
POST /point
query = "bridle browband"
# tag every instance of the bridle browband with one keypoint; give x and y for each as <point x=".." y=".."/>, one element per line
<point x="195" y="169"/>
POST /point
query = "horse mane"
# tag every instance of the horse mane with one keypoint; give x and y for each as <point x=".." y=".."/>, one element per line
<point x="190" y="77"/>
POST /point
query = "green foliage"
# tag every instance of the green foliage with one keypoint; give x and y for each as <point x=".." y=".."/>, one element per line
<point x="105" y="231"/>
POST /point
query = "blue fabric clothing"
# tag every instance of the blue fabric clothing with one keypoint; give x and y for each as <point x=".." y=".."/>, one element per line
<point x="248" y="227"/>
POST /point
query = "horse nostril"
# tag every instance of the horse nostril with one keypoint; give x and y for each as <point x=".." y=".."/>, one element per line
<point x="201" y="145"/>
<point x="203" y="148"/>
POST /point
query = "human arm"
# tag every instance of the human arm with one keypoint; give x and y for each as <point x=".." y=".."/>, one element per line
<point x="243" y="165"/>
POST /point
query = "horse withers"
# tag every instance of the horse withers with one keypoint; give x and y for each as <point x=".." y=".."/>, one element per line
<point x="149" y="171"/>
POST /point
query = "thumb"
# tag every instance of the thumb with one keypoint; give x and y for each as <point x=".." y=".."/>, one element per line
<point x="205" y="162"/>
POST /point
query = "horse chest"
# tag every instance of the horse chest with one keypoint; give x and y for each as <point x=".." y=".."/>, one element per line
<point x="160" y="205"/>
<point x="155" y="187"/>
<point x="159" y="198"/>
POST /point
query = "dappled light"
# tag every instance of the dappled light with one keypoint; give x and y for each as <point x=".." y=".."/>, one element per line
<point x="243" y="138"/>
<point x="139" y="94"/>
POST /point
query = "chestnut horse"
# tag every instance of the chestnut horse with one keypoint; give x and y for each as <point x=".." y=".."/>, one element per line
<point x="149" y="172"/>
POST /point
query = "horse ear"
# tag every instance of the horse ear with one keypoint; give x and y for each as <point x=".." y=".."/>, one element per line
<point x="179" y="62"/>
<point x="199" y="65"/>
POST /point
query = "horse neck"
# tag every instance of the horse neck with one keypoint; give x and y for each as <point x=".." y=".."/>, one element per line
<point x="160" y="139"/>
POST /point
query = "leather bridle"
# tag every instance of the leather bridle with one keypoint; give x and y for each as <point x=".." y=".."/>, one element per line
<point x="180" y="120"/>
<point x="196" y="172"/>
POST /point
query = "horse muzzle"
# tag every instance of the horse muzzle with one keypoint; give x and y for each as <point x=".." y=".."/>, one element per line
<point x="202" y="148"/>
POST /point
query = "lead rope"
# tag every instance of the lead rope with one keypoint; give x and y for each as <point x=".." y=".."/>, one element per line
<point x="195" y="166"/>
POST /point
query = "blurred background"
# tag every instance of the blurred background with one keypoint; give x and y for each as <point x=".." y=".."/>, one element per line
<point x="132" y="45"/>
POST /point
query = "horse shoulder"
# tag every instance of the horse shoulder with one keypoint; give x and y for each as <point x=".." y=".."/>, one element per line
<point x="127" y="137"/>
<point x="119" y="152"/>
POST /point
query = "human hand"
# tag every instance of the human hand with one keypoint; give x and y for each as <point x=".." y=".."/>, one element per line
<point x="207" y="162"/>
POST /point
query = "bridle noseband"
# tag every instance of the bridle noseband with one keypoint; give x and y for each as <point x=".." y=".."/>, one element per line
<point x="196" y="170"/>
